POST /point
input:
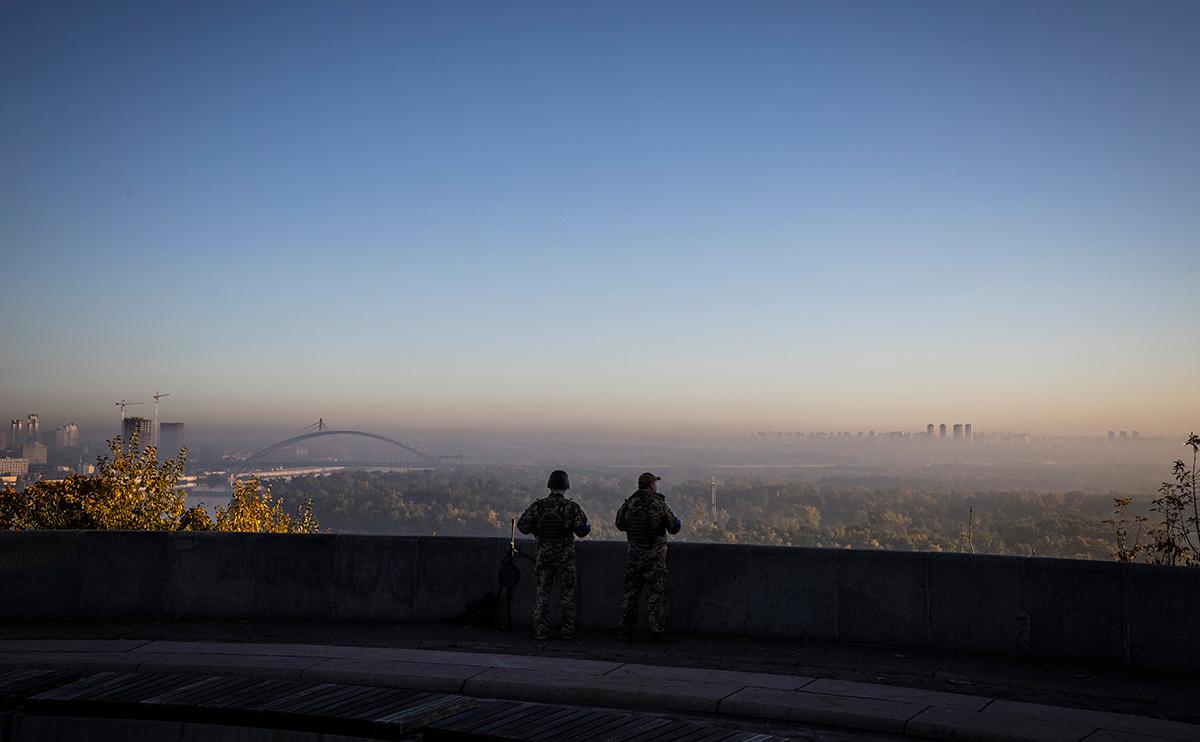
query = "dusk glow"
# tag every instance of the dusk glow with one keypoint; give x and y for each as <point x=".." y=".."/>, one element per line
<point x="680" y="217"/>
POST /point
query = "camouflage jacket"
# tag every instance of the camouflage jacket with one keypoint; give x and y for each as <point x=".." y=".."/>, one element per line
<point x="646" y="519"/>
<point x="554" y="519"/>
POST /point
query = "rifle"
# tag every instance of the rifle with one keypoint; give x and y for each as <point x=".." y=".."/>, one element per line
<point x="509" y="575"/>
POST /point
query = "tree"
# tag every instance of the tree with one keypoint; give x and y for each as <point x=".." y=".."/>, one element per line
<point x="1176" y="540"/>
<point x="1124" y="550"/>
<point x="251" y="508"/>
<point x="132" y="490"/>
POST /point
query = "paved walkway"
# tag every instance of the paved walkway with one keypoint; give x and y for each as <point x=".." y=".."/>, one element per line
<point x="779" y="694"/>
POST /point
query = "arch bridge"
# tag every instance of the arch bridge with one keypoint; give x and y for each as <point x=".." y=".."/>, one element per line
<point x="432" y="461"/>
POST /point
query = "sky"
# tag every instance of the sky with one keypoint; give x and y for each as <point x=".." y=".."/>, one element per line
<point x="646" y="216"/>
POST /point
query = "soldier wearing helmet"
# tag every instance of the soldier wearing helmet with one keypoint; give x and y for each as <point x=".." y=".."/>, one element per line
<point x="646" y="520"/>
<point x="555" y="521"/>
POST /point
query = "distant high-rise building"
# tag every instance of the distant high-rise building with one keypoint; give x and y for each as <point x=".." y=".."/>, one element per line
<point x="969" y="433"/>
<point x="143" y="426"/>
<point x="3" y="441"/>
<point x="67" y="436"/>
<point x="1112" y="434"/>
<point x="942" y="431"/>
<point x="16" y="434"/>
<point x="33" y="429"/>
<point x="1124" y="435"/>
<point x="1136" y="434"/>
<point x="35" y="452"/>
<point x="170" y="439"/>
<point x="958" y="431"/>
<point x="929" y="431"/>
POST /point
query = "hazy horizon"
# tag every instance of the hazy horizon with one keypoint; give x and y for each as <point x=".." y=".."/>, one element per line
<point x="668" y="220"/>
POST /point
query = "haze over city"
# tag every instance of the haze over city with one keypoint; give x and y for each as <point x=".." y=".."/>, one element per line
<point x="597" y="372"/>
<point x="680" y="219"/>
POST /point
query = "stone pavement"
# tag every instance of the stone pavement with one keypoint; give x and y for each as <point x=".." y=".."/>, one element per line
<point x="591" y="672"/>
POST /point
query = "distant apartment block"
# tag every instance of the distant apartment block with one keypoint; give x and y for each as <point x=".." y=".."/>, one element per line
<point x="14" y="467"/>
<point x="35" y="452"/>
<point x="929" y="431"/>
<point x="969" y="433"/>
<point x="33" y="429"/>
<point x="16" y="434"/>
<point x="143" y="426"/>
<point x="942" y="431"/>
<point x="958" y="431"/>
<point x="170" y="439"/>
<point x="67" y="436"/>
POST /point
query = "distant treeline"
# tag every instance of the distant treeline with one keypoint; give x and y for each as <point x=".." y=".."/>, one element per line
<point x="752" y="509"/>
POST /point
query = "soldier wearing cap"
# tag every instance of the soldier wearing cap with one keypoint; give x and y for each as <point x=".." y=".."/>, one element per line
<point x="646" y="520"/>
<point x="555" y="521"/>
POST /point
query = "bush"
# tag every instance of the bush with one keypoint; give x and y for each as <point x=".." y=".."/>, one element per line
<point x="133" y="491"/>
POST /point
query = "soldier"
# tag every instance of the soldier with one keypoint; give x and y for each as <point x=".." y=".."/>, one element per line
<point x="555" y="520"/>
<point x="646" y="521"/>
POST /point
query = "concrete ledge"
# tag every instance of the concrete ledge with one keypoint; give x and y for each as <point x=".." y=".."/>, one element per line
<point x="427" y="676"/>
<point x="651" y="673"/>
<point x="856" y="705"/>
<point x="964" y="726"/>
<point x="977" y="603"/>
<point x="1077" y="609"/>
<point x="450" y="572"/>
<point x="1157" y="599"/>
<point x="889" y="605"/>
<point x="675" y="695"/>
<point x="229" y="664"/>
<point x="124" y="573"/>
<point x="1131" y="615"/>
<point x="816" y="708"/>
<point x="293" y="576"/>
<point x="81" y="661"/>
<point x="894" y="693"/>
<point x="373" y="580"/>
<point x="40" y="573"/>
<point x="211" y="576"/>
<point x="1157" y="728"/>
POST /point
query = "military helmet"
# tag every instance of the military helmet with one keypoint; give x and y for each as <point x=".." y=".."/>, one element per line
<point x="646" y="478"/>
<point x="558" y="480"/>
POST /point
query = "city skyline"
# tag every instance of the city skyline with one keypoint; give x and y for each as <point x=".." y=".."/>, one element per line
<point x="66" y="434"/>
<point x="675" y="218"/>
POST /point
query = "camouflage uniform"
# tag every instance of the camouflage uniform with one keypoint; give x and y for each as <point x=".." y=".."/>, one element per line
<point x="646" y="519"/>
<point x="555" y="520"/>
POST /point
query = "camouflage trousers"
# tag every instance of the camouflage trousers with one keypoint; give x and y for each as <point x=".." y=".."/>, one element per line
<point x="555" y="564"/>
<point x="645" y="567"/>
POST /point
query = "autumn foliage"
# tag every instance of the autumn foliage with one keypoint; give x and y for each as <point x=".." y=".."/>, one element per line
<point x="133" y="491"/>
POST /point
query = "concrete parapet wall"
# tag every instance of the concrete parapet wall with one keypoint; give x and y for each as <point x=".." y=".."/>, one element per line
<point x="1127" y="614"/>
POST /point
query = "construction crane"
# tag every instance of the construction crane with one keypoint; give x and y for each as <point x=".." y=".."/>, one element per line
<point x="123" y="404"/>
<point x="157" y="397"/>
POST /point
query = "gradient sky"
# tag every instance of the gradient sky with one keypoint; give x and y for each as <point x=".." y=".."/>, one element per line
<point x="644" y="215"/>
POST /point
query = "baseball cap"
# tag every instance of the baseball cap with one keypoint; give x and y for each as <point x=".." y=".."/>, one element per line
<point x="647" y="478"/>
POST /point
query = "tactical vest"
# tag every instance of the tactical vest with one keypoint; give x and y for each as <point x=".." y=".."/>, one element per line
<point x="641" y="523"/>
<point x="551" y="527"/>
